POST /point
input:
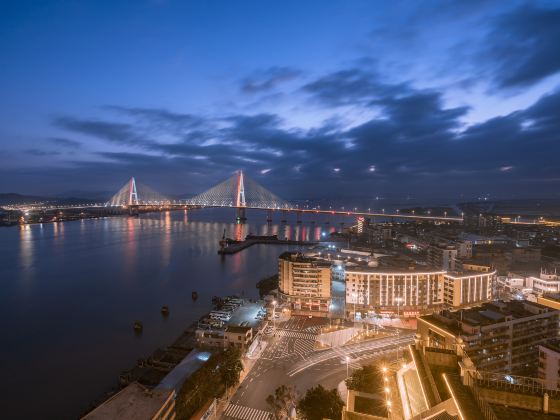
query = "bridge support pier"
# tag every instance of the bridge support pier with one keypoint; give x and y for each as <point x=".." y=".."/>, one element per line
<point x="241" y="217"/>
<point x="133" y="211"/>
<point x="269" y="216"/>
<point x="284" y="218"/>
<point x="298" y="215"/>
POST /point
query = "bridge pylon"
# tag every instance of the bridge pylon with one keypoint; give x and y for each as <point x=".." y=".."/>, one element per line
<point x="241" y="216"/>
<point x="133" y="210"/>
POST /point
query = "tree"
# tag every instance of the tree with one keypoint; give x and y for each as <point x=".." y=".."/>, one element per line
<point x="209" y="381"/>
<point x="320" y="403"/>
<point x="282" y="401"/>
<point x="230" y="366"/>
<point x="267" y="285"/>
<point x="368" y="378"/>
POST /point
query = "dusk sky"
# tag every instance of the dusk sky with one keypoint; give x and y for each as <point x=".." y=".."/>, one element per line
<point x="312" y="99"/>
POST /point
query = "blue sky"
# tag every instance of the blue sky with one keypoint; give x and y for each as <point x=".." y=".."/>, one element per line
<point x="311" y="98"/>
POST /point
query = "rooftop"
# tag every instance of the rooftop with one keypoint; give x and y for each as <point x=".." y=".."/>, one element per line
<point x="175" y="379"/>
<point x="135" y="402"/>
<point x="246" y="315"/>
<point x="553" y="345"/>
<point x="236" y="329"/>
<point x="302" y="258"/>
<point x="486" y="314"/>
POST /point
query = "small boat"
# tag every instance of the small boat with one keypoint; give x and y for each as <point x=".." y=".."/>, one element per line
<point x="138" y="327"/>
<point x="165" y="310"/>
<point x="194" y="295"/>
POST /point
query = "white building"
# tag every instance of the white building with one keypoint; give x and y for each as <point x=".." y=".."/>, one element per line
<point x="545" y="283"/>
<point x="405" y="292"/>
<point x="468" y="288"/>
<point x="549" y="364"/>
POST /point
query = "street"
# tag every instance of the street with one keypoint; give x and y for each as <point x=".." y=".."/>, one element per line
<point x="290" y="359"/>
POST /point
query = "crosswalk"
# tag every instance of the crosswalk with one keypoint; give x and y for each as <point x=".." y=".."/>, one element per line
<point x="296" y="334"/>
<point x="246" y="413"/>
<point x="304" y="346"/>
<point x="315" y="329"/>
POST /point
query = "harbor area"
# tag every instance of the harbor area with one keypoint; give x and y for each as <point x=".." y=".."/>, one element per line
<point x="234" y="322"/>
<point x="231" y="246"/>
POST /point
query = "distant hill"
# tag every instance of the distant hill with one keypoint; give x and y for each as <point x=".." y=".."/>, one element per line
<point x="14" y="198"/>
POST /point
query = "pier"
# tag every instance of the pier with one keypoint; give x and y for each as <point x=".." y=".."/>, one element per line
<point x="230" y="246"/>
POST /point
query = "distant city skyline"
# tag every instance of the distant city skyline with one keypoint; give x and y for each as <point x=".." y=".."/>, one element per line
<point x="454" y="100"/>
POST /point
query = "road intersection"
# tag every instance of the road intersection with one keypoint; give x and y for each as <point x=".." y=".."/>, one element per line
<point x="291" y="358"/>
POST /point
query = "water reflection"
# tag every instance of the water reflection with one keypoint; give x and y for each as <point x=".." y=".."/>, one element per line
<point x="166" y="245"/>
<point x="26" y="245"/>
<point x="77" y="301"/>
<point x="130" y="247"/>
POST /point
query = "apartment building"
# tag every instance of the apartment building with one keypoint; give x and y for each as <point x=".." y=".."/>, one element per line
<point x="549" y="364"/>
<point x="443" y="256"/>
<point x="467" y="288"/>
<point x="304" y="282"/>
<point x="497" y="336"/>
<point x="406" y="291"/>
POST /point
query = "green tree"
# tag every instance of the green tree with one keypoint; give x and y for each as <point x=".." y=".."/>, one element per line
<point x="282" y="401"/>
<point x="368" y="378"/>
<point x="320" y="403"/>
<point x="267" y="285"/>
<point x="230" y="366"/>
<point x="209" y="381"/>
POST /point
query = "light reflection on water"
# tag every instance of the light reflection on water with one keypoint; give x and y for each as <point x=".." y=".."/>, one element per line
<point x="72" y="290"/>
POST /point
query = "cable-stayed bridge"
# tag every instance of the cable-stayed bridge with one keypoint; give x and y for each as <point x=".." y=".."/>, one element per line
<point x="239" y="192"/>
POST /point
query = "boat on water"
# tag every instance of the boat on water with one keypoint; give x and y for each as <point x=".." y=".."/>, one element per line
<point x="165" y="310"/>
<point x="138" y="327"/>
<point x="194" y="295"/>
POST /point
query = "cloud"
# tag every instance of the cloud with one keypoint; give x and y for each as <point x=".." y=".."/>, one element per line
<point x="523" y="46"/>
<point x="159" y="117"/>
<point x="351" y="87"/>
<point x="266" y="80"/>
<point x="65" y="143"/>
<point x="413" y="144"/>
<point x="115" y="132"/>
<point x="41" y="152"/>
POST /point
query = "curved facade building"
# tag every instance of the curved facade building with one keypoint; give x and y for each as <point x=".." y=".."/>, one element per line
<point x="394" y="291"/>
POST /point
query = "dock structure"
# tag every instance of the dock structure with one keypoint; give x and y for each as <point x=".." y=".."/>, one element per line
<point x="230" y="246"/>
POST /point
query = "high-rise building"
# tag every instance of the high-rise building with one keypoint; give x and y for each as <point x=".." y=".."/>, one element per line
<point x="304" y="282"/>
<point x="549" y="364"/>
<point x="498" y="336"/>
<point x="467" y="288"/>
<point x="443" y="256"/>
<point x="405" y="291"/>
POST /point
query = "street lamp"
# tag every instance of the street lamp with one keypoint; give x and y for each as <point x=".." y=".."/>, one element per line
<point x="398" y="300"/>
<point x="274" y="314"/>
<point x="354" y="296"/>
